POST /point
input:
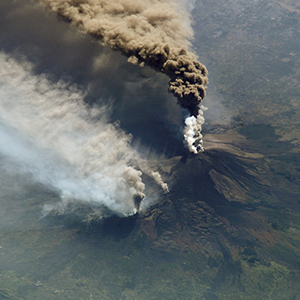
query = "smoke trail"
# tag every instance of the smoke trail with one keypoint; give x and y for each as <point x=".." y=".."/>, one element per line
<point x="48" y="132"/>
<point x="148" y="32"/>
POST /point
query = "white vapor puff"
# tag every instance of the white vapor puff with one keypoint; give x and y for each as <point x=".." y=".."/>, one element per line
<point x="192" y="131"/>
<point x="49" y="133"/>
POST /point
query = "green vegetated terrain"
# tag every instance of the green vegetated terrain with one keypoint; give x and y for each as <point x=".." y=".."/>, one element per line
<point x="230" y="226"/>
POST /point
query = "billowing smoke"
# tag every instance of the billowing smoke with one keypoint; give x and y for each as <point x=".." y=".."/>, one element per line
<point x="151" y="32"/>
<point x="192" y="132"/>
<point x="49" y="133"/>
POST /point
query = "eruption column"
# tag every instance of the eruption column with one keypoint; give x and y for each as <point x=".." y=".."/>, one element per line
<point x="148" y="32"/>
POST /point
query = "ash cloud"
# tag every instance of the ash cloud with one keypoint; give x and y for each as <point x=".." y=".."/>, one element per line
<point x="148" y="33"/>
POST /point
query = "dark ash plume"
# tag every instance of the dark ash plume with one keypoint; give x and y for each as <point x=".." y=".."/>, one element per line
<point x="148" y="32"/>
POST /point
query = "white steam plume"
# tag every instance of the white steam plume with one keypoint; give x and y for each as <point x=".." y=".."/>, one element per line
<point x="156" y="33"/>
<point x="48" y="132"/>
<point x="192" y="131"/>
